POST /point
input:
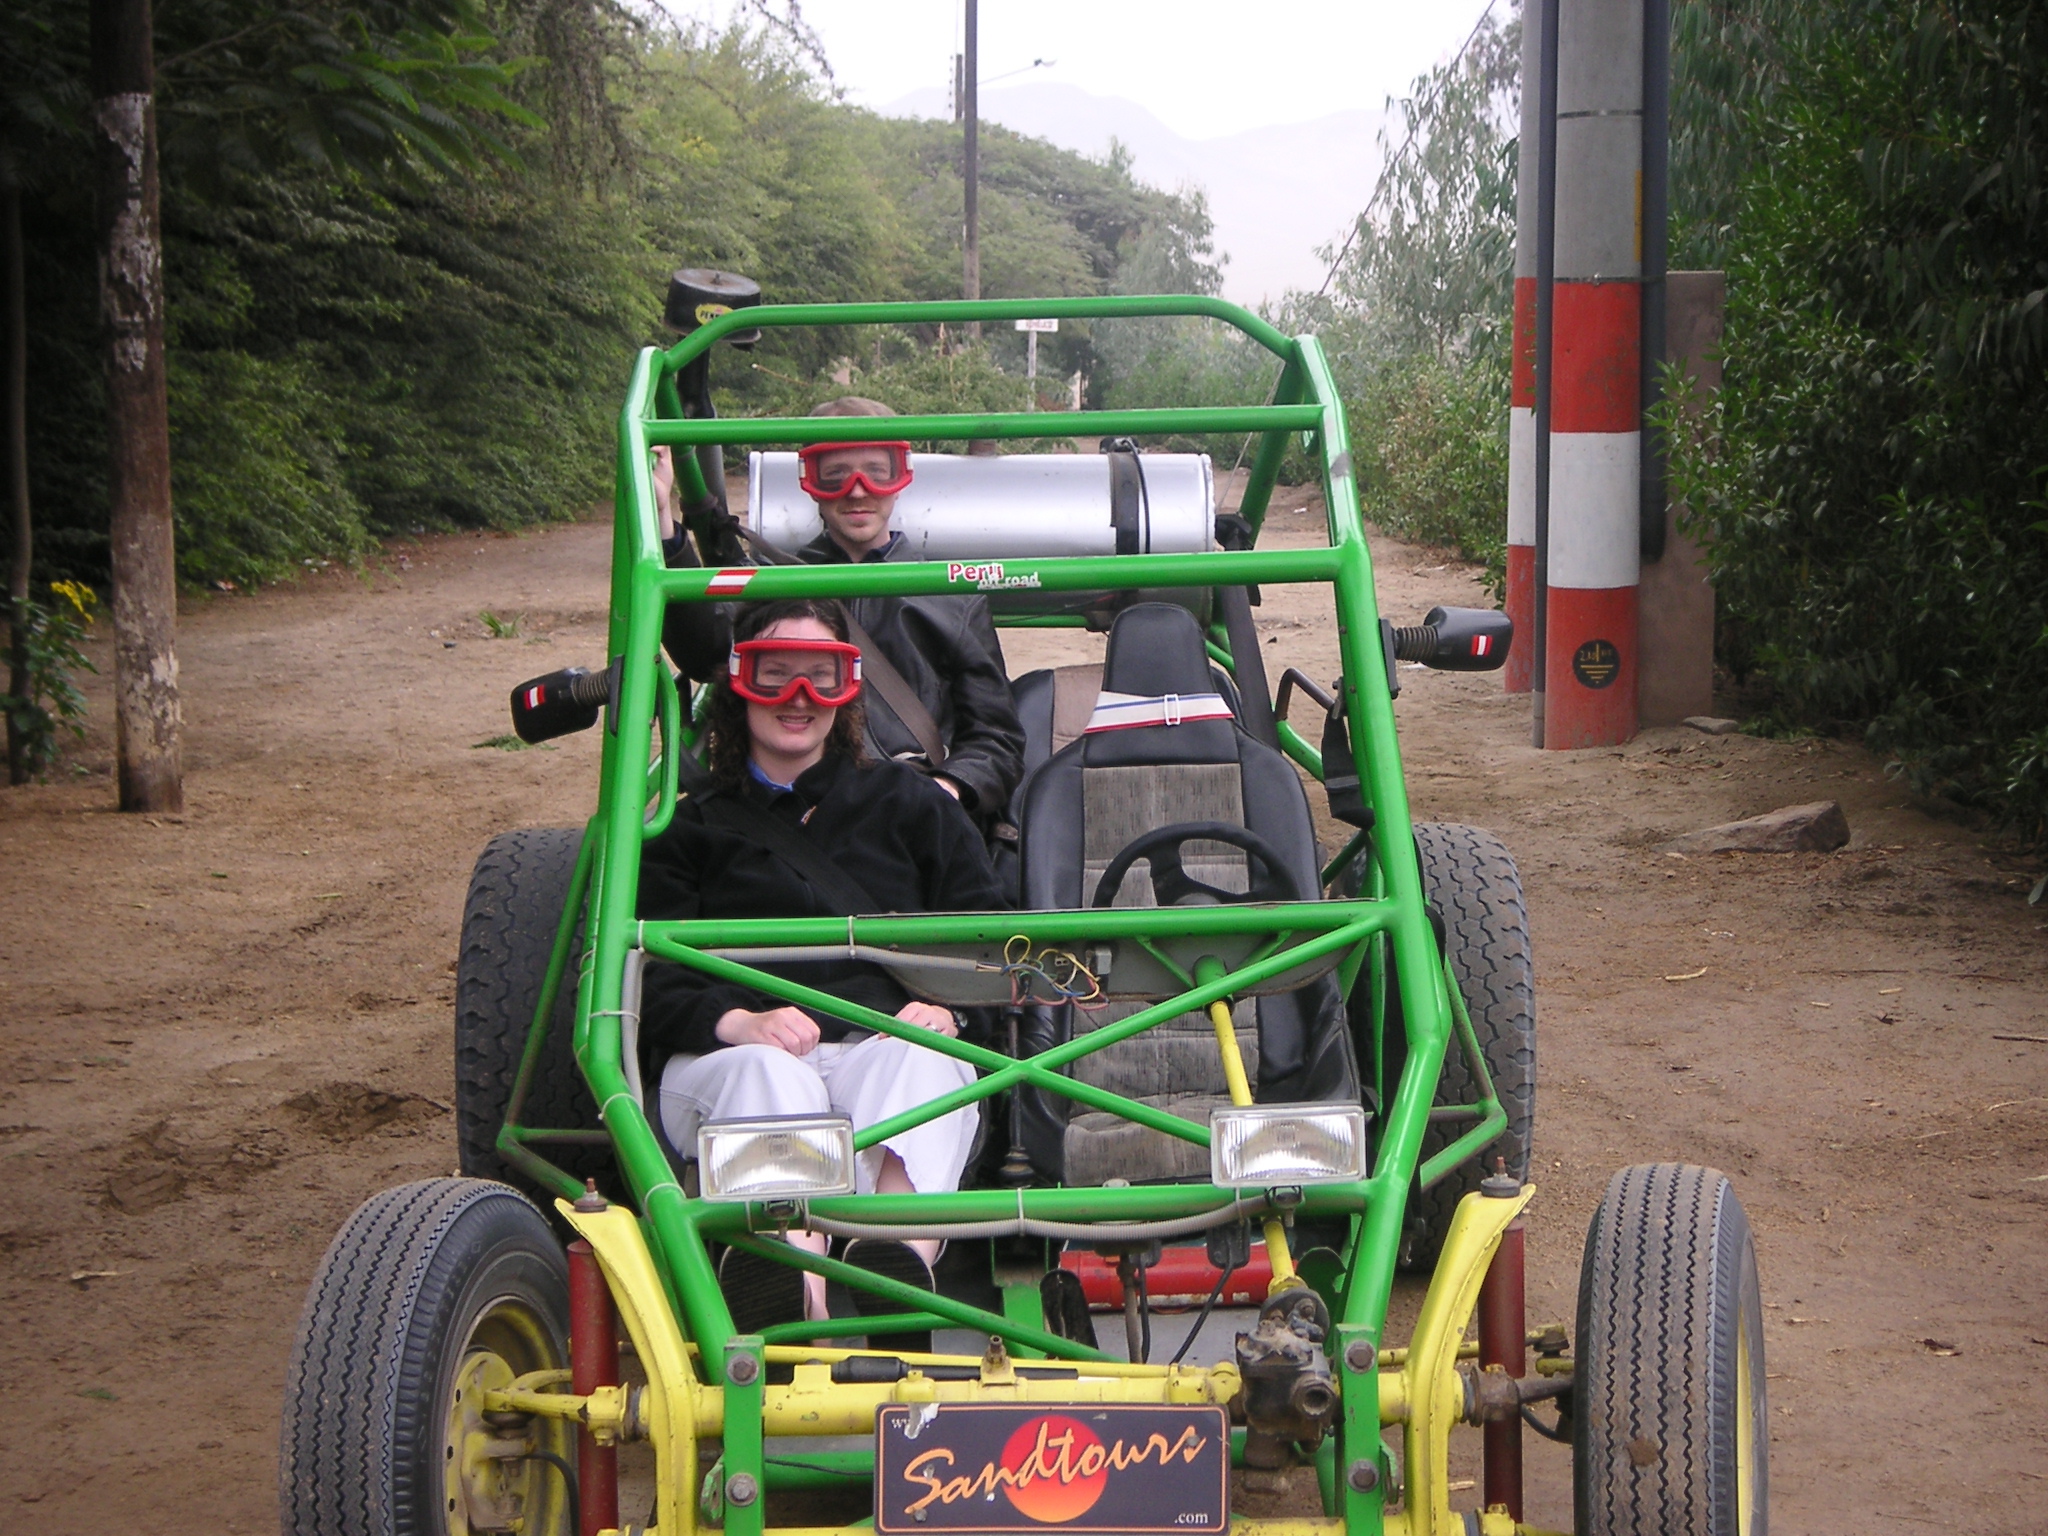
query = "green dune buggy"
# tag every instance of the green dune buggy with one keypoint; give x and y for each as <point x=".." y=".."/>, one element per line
<point x="1313" y="1066"/>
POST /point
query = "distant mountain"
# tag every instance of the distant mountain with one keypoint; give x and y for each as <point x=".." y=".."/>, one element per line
<point x="1275" y="193"/>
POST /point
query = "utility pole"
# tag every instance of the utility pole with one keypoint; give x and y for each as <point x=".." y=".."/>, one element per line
<point x="147" y="714"/>
<point x="970" y="166"/>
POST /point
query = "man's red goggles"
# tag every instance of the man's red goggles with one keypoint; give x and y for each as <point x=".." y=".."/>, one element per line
<point x="832" y="471"/>
<point x="773" y="671"/>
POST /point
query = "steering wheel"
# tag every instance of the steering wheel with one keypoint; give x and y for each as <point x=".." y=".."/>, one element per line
<point x="1173" y="885"/>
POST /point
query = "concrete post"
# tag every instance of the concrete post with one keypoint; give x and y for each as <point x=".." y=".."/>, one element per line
<point x="1677" y="625"/>
<point x="1596" y="449"/>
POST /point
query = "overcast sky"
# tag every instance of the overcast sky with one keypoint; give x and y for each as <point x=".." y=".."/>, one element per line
<point x="1204" y="67"/>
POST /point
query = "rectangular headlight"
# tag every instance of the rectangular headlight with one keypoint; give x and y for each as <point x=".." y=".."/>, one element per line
<point x="1267" y="1146"/>
<point x="779" y="1157"/>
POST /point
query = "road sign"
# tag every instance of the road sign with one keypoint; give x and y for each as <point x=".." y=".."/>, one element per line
<point x="1038" y="325"/>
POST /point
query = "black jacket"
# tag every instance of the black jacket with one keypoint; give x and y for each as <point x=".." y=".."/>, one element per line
<point x="900" y="837"/>
<point x="945" y="647"/>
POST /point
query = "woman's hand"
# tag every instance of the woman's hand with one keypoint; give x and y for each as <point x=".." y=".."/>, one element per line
<point x="787" y="1029"/>
<point x="931" y="1016"/>
<point x="665" y="507"/>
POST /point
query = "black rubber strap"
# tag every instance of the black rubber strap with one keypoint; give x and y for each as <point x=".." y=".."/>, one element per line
<point x="1126" y="496"/>
<point x="1255" y="703"/>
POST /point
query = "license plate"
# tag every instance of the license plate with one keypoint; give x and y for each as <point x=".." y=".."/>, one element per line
<point x="1090" y="1469"/>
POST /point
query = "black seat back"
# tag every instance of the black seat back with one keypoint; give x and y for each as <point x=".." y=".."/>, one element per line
<point x="1101" y="792"/>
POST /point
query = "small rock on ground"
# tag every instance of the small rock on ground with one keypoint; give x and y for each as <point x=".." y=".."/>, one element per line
<point x="1713" y="725"/>
<point x="1819" y="827"/>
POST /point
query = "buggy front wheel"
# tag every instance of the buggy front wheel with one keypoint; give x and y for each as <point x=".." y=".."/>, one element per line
<point x="433" y="1294"/>
<point x="1669" y="1428"/>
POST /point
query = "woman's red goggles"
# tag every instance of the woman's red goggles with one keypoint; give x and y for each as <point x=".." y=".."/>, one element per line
<point x="773" y="671"/>
<point x="833" y="471"/>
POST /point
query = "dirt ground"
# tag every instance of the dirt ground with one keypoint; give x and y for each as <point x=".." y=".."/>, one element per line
<point x="219" y="1032"/>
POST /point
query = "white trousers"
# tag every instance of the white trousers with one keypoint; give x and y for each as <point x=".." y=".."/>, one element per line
<point x="868" y="1081"/>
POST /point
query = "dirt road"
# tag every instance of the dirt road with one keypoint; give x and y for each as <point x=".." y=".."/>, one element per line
<point x="219" y="1033"/>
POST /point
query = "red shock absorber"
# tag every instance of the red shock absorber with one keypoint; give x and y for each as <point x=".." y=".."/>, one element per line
<point x="593" y="1363"/>
<point x="1503" y="1339"/>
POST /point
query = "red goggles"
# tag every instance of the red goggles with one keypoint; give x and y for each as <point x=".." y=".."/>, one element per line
<point x="775" y="671"/>
<point x="833" y="471"/>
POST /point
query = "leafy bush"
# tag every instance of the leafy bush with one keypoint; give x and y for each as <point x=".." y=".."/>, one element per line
<point x="1436" y="469"/>
<point x="44" y="643"/>
<point x="1873" y="483"/>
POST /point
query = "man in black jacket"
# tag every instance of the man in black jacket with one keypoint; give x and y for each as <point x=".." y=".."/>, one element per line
<point x="944" y="648"/>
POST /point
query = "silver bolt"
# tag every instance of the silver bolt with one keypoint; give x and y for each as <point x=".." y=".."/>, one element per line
<point x="1358" y="1355"/>
<point x="741" y="1489"/>
<point x="1364" y="1475"/>
<point x="741" y="1369"/>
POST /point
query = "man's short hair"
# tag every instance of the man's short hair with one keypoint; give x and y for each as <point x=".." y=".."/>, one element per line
<point x="852" y="405"/>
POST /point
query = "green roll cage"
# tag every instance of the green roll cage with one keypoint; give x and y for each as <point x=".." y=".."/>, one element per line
<point x="645" y="735"/>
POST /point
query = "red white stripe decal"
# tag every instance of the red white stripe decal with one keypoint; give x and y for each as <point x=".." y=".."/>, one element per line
<point x="1127" y="711"/>
<point x="1482" y="645"/>
<point x="535" y="696"/>
<point x="730" y="583"/>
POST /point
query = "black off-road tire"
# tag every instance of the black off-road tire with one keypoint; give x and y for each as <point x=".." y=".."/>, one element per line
<point x="421" y="1280"/>
<point x="1670" y="1428"/>
<point x="1469" y="876"/>
<point x="516" y="895"/>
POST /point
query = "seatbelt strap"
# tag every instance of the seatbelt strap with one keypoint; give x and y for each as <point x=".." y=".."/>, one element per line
<point x="761" y="825"/>
<point x="875" y="667"/>
<point x="897" y="693"/>
<point x="1248" y="662"/>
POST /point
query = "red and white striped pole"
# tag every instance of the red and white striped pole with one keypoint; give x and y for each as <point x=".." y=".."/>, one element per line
<point x="1596" y="424"/>
<point x="1521" y="599"/>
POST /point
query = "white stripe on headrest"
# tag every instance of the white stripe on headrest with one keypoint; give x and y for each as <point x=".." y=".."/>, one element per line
<point x="1122" y="711"/>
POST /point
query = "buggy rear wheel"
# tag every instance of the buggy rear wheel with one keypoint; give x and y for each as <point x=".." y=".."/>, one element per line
<point x="1469" y="876"/>
<point x="431" y="1294"/>
<point x="1669" y="1423"/>
<point x="516" y="895"/>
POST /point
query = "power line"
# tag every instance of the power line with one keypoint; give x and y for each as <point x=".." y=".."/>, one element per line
<point x="1407" y="144"/>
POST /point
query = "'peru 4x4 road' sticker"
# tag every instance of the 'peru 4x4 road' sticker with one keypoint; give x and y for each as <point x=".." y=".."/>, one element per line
<point x="987" y="575"/>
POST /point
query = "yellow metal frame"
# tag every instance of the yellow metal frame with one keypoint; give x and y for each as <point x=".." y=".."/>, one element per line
<point x="1419" y="1386"/>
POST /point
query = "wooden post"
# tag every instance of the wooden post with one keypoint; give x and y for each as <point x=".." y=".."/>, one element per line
<point x="142" y="545"/>
<point x="15" y="381"/>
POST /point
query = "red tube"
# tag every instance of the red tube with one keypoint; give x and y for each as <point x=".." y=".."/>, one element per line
<point x="1503" y="1336"/>
<point x="593" y="1363"/>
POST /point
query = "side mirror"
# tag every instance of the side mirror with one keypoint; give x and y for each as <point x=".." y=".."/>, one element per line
<point x="559" y="704"/>
<point x="1457" y="640"/>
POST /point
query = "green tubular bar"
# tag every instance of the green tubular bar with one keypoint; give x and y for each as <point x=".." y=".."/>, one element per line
<point x="907" y="578"/>
<point x="1304" y="408"/>
<point x="1042" y="1070"/>
<point x="1139" y="423"/>
<point x="1296" y="746"/>
<point x="1133" y="306"/>
<point x="1493" y="1117"/>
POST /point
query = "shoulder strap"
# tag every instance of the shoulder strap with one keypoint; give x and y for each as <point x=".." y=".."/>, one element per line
<point x="763" y="826"/>
<point x="897" y="693"/>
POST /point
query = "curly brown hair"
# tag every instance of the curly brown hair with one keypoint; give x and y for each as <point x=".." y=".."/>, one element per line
<point x="727" y="712"/>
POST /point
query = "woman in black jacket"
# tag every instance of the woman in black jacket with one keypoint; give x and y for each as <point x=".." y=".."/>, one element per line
<point x="785" y="743"/>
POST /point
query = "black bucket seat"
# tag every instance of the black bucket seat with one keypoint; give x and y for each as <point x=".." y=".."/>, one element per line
<point x="1092" y="798"/>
